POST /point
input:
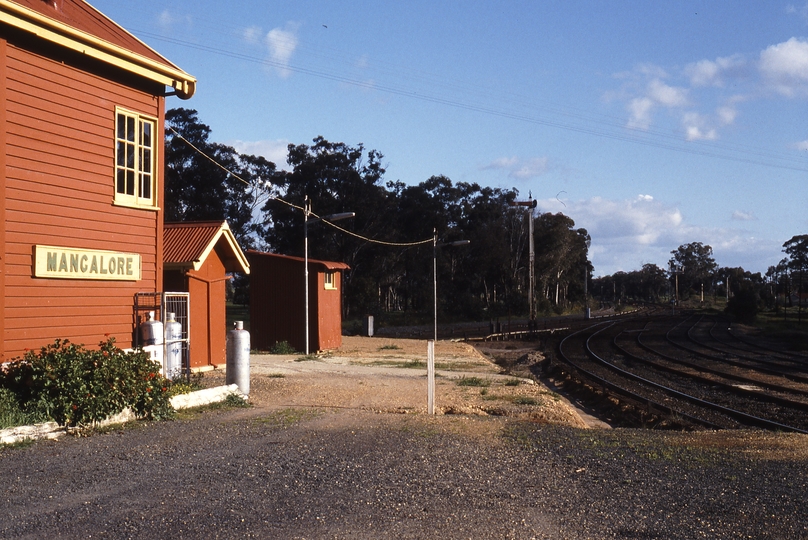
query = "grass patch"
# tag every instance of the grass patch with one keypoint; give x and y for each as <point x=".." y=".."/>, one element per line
<point x="13" y="415"/>
<point x="512" y="382"/>
<point x="473" y="381"/>
<point x="525" y="400"/>
<point x="390" y="347"/>
<point x="306" y="358"/>
<point x="274" y="375"/>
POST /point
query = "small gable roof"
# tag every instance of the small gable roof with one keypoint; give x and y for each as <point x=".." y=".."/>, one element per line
<point x="325" y="265"/>
<point x="76" y="25"/>
<point x="187" y="244"/>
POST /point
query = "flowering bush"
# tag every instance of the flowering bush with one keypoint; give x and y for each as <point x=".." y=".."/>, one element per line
<point x="76" y="386"/>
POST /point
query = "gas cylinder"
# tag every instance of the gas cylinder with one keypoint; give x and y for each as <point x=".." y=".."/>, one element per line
<point x="173" y="347"/>
<point x="151" y="331"/>
<point x="238" y="358"/>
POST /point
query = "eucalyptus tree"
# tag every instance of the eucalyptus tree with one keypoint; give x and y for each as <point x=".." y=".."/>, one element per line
<point x="797" y="250"/>
<point x="695" y="267"/>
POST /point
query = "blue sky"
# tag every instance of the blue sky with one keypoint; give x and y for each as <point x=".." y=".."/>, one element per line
<point x="651" y="124"/>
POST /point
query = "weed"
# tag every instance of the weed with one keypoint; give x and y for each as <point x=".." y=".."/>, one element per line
<point x="389" y="347"/>
<point x="512" y="382"/>
<point x="306" y="358"/>
<point x="473" y="381"/>
<point x="484" y="391"/>
<point x="525" y="400"/>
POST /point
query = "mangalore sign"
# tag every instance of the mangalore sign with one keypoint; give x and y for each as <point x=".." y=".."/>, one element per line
<point x="69" y="263"/>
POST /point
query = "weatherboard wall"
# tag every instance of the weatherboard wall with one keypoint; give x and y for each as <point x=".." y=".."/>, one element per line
<point x="57" y="152"/>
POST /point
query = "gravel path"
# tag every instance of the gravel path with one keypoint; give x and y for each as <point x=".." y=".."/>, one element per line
<point x="320" y="470"/>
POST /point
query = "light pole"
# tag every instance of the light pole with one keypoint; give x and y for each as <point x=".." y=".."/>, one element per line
<point x="332" y="217"/>
<point x="435" y="247"/>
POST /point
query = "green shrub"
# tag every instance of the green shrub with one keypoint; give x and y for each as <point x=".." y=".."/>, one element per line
<point x="73" y="385"/>
<point x="282" y="347"/>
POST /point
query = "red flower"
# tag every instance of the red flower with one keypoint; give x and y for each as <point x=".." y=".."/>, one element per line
<point x="75" y="407"/>
<point x="148" y="389"/>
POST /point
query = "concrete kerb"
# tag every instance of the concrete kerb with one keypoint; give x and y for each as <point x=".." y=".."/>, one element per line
<point x="52" y="430"/>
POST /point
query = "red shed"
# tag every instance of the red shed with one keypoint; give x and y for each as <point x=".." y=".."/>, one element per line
<point x="82" y="106"/>
<point x="197" y="256"/>
<point x="277" y="305"/>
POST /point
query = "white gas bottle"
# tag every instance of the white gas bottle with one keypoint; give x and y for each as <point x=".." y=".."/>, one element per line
<point x="173" y="363"/>
<point x="151" y="331"/>
<point x="238" y="358"/>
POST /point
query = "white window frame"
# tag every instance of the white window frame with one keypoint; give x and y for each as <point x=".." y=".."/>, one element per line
<point x="135" y="179"/>
<point x="330" y="280"/>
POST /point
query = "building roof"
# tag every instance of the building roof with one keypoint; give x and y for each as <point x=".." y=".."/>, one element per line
<point x="187" y="244"/>
<point x="78" y="26"/>
<point x="326" y="265"/>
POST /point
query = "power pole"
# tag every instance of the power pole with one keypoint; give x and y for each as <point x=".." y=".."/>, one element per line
<point x="530" y="204"/>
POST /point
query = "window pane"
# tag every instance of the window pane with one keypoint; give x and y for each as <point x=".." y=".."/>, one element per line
<point x="130" y="156"/>
<point x="130" y="182"/>
<point x="145" y="161"/>
<point x="120" y="185"/>
<point x="147" y="134"/>
<point x="130" y="129"/>
<point x="121" y="132"/>
<point x="145" y="186"/>
<point x="121" y="152"/>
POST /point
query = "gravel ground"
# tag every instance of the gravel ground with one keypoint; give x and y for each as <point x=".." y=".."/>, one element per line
<point x="289" y="469"/>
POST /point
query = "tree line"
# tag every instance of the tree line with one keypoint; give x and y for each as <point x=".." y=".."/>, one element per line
<point x="487" y="278"/>
<point x="693" y="273"/>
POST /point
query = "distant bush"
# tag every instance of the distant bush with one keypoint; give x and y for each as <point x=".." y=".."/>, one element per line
<point x="75" y="386"/>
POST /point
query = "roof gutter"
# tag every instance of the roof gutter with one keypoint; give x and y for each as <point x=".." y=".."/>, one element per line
<point x="51" y="30"/>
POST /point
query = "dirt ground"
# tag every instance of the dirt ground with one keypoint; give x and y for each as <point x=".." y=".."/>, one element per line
<point x="386" y="375"/>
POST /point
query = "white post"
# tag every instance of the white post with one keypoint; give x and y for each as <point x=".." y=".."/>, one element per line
<point x="306" y="210"/>
<point x="430" y="376"/>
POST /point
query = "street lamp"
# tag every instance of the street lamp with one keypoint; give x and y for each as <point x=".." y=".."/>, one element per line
<point x="332" y="217"/>
<point x="435" y="247"/>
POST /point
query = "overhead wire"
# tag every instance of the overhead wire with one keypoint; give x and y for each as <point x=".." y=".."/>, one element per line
<point x="609" y="128"/>
<point x="292" y="205"/>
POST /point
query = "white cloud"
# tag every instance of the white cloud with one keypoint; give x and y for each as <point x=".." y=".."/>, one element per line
<point x="712" y="73"/>
<point x="656" y="94"/>
<point x="742" y="215"/>
<point x="785" y="67"/>
<point x="802" y="145"/>
<point x="252" y="35"/>
<point x="665" y="95"/>
<point x="519" y="169"/>
<point x="275" y="151"/>
<point x="629" y="233"/>
<point x="282" y="43"/>
<point x="696" y="128"/>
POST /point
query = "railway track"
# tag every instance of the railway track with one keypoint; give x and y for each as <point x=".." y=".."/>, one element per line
<point x="676" y="372"/>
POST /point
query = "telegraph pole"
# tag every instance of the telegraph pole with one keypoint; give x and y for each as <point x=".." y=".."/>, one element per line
<point x="530" y="204"/>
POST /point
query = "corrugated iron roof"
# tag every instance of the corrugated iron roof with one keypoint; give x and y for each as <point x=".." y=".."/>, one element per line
<point x="187" y="244"/>
<point x="327" y="265"/>
<point x="78" y="25"/>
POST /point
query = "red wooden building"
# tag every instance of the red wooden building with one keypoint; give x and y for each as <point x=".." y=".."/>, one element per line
<point x="198" y="255"/>
<point x="277" y="302"/>
<point x="82" y="106"/>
